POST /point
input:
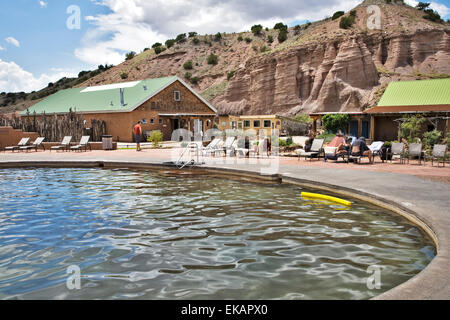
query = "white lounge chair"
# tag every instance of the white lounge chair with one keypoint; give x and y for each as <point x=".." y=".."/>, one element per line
<point x="84" y="143"/>
<point x="65" y="144"/>
<point x="316" y="150"/>
<point x="212" y="147"/>
<point x="35" y="145"/>
<point x="23" y="142"/>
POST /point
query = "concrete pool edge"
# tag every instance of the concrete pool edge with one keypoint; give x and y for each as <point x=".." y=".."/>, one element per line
<point x="434" y="275"/>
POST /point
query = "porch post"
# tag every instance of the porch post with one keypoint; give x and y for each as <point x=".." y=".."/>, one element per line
<point x="372" y="127"/>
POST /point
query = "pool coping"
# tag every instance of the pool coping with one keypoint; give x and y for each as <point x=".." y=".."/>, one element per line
<point x="433" y="282"/>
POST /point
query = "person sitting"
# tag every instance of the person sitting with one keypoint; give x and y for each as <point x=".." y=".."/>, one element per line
<point x="338" y="140"/>
<point x="360" y="148"/>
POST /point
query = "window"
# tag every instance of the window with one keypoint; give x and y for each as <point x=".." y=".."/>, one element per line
<point x="152" y="121"/>
<point x="153" y="105"/>
<point x="144" y="121"/>
<point x="233" y="124"/>
<point x="160" y="121"/>
<point x="267" y="123"/>
<point x="177" y="95"/>
<point x="246" y="123"/>
<point x="256" y="123"/>
<point x="224" y="124"/>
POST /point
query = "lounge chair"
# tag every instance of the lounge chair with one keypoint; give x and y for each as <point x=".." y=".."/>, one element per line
<point x="439" y="152"/>
<point x="374" y="147"/>
<point x="316" y="150"/>
<point x="35" y="145"/>
<point x="415" y="150"/>
<point x="228" y="146"/>
<point x="84" y="143"/>
<point x="212" y="147"/>
<point x="65" y="144"/>
<point x="23" y="142"/>
<point x="331" y="153"/>
<point x="397" y="149"/>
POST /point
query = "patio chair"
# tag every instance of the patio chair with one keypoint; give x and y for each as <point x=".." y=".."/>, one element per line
<point x="23" y="142"/>
<point x="397" y="149"/>
<point x="84" y="144"/>
<point x="415" y="150"/>
<point x="228" y="146"/>
<point x="316" y="150"/>
<point x="300" y="140"/>
<point x="35" y="145"/>
<point x="439" y="152"/>
<point x="65" y="144"/>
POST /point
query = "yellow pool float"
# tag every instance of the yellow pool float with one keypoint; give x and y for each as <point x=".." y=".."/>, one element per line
<point x="325" y="197"/>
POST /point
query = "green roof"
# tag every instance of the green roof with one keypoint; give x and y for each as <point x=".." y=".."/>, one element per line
<point x="105" y="98"/>
<point x="417" y="93"/>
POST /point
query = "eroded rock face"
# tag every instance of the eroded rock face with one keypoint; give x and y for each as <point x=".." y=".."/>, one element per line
<point x="339" y="75"/>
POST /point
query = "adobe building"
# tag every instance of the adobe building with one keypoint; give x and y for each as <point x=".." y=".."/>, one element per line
<point x="164" y="104"/>
<point x="402" y="99"/>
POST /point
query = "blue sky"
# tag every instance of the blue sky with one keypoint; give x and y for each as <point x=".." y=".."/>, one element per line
<point x="36" y="47"/>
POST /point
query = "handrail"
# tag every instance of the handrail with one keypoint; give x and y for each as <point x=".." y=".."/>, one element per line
<point x="190" y="146"/>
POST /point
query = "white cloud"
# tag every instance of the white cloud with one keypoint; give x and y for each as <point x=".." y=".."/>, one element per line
<point x="1" y="48"/>
<point x="43" y="4"/>
<point x="13" y="41"/>
<point x="135" y="24"/>
<point x="15" y="79"/>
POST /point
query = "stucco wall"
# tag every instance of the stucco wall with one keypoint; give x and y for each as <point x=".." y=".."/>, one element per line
<point x="10" y="136"/>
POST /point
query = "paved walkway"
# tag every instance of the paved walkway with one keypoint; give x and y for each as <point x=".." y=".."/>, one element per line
<point x="412" y="190"/>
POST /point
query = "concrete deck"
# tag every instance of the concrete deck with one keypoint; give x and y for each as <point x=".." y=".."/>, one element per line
<point x="419" y="193"/>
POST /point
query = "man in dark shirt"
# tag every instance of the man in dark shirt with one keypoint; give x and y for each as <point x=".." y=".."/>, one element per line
<point x="360" y="148"/>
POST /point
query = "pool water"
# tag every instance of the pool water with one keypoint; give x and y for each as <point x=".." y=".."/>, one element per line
<point x="156" y="235"/>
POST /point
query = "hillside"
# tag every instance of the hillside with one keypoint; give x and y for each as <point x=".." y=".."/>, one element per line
<point x="320" y="67"/>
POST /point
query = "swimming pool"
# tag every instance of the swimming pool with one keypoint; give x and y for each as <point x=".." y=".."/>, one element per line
<point x="156" y="235"/>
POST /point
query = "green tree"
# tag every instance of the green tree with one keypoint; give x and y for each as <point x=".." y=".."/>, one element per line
<point x="256" y="29"/>
<point x="195" y="40"/>
<point x="194" y="80"/>
<point x="218" y="36"/>
<point x="334" y="122"/>
<point x="155" y="137"/>
<point x="282" y="35"/>
<point x="422" y="6"/>
<point x="181" y="37"/>
<point x="156" y="44"/>
<point x="346" y="22"/>
<point x="170" y="43"/>
<point x="337" y="14"/>
<point x="188" y="75"/>
<point x="248" y="40"/>
<point x="431" y="138"/>
<point x="239" y="38"/>
<point x="159" y="49"/>
<point x="280" y="26"/>
<point x="192" y="34"/>
<point x="269" y="39"/>
<point x="130" y="55"/>
<point x="124" y="75"/>
<point x="411" y="128"/>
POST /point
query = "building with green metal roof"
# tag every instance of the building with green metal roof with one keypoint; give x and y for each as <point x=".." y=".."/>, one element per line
<point x="164" y="104"/>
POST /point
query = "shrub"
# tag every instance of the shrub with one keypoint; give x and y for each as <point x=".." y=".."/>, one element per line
<point x="213" y="59"/>
<point x="327" y="136"/>
<point x="188" y="65"/>
<point x="156" y="44"/>
<point x="346" y="22"/>
<point x="170" y="43"/>
<point x="431" y="138"/>
<point x="263" y="49"/>
<point x="282" y="35"/>
<point x="412" y="127"/>
<point x="269" y="39"/>
<point x="432" y="15"/>
<point x="303" y="117"/>
<point x="195" y="40"/>
<point x="353" y="13"/>
<point x="181" y="37"/>
<point x="256" y="29"/>
<point x="240" y="38"/>
<point x="124" y="75"/>
<point x="230" y="74"/>
<point x="280" y="26"/>
<point x="218" y="36"/>
<point x="192" y="34"/>
<point x="194" y="80"/>
<point x="155" y="137"/>
<point x="297" y="29"/>
<point x="337" y="14"/>
<point x="130" y="55"/>
<point x="188" y="75"/>
<point x="422" y="6"/>
<point x="158" y="50"/>
<point x="335" y="122"/>
<point x="248" y="40"/>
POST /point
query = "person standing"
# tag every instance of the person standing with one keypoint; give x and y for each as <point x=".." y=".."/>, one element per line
<point x="138" y="135"/>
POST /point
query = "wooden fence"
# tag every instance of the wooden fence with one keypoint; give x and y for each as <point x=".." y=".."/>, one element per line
<point x="54" y="127"/>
